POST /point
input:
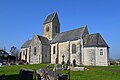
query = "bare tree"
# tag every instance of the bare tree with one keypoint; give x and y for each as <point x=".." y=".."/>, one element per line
<point x="14" y="52"/>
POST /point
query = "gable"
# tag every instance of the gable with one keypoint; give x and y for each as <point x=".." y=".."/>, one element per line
<point x="43" y="40"/>
<point x="40" y="39"/>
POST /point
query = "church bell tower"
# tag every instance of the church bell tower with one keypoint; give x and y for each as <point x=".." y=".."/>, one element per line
<point x="51" y="26"/>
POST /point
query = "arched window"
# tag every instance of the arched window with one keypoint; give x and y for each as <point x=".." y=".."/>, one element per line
<point x="26" y="55"/>
<point x="73" y="48"/>
<point x="54" y="50"/>
<point x="24" y="52"/>
<point x="35" y="50"/>
<point x="47" y="28"/>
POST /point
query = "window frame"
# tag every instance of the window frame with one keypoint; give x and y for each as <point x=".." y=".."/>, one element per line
<point x="35" y="50"/>
<point x="74" y="48"/>
<point x="54" y="49"/>
<point x="101" y="52"/>
<point x="47" y="28"/>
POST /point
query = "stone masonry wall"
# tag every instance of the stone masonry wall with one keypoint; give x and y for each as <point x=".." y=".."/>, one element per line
<point x="36" y="58"/>
<point x="89" y="56"/>
<point x="53" y="56"/>
<point x="65" y="49"/>
<point x="46" y="54"/>
<point x="102" y="60"/>
<point x="49" y="33"/>
<point x="92" y="56"/>
<point x="78" y="55"/>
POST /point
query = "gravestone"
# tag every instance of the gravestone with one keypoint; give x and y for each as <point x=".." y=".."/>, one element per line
<point x="56" y="64"/>
<point x="74" y="63"/>
<point x="25" y="74"/>
<point x="68" y="64"/>
<point x="78" y="69"/>
<point x="0" y="64"/>
<point x="2" y="77"/>
<point x="52" y="75"/>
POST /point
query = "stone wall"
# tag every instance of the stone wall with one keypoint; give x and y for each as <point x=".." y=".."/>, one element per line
<point x="102" y="60"/>
<point x="54" y="28"/>
<point x="36" y="58"/>
<point x="65" y="48"/>
<point x="46" y="54"/>
<point x="53" y="56"/>
<point x="89" y="56"/>
<point x="78" y="55"/>
<point x="92" y="56"/>
<point x="49" y="33"/>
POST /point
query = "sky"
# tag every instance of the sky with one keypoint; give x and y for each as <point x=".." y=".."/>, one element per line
<point x="21" y="19"/>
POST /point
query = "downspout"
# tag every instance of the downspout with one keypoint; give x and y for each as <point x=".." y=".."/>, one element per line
<point x="58" y="52"/>
<point x="69" y="50"/>
<point x="80" y="53"/>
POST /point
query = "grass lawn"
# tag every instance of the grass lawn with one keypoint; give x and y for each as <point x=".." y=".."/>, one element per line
<point x="94" y="73"/>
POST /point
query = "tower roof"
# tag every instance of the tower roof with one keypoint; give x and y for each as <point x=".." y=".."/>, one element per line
<point x="50" y="17"/>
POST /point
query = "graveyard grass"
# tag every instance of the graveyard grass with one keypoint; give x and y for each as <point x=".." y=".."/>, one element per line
<point x="94" y="73"/>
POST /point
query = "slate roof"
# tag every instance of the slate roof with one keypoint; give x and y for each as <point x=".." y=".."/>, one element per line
<point x="50" y="18"/>
<point x="68" y="35"/>
<point x="94" y="40"/>
<point x="43" y="40"/>
<point x="26" y="44"/>
<point x="3" y="53"/>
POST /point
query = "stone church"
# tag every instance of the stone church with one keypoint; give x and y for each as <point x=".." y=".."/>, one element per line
<point x="77" y="44"/>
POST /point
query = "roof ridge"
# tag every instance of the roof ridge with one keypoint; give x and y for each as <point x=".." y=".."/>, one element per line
<point x="95" y="34"/>
<point x="51" y="13"/>
<point x="54" y="15"/>
<point x="71" y="30"/>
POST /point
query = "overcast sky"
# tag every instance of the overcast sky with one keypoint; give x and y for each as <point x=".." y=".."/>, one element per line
<point x="21" y="19"/>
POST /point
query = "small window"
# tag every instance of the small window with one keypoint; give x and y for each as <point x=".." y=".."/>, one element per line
<point x="101" y="51"/>
<point x="35" y="50"/>
<point x="54" y="50"/>
<point x="26" y="55"/>
<point x="73" y="48"/>
<point x="24" y="52"/>
<point x="47" y="28"/>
